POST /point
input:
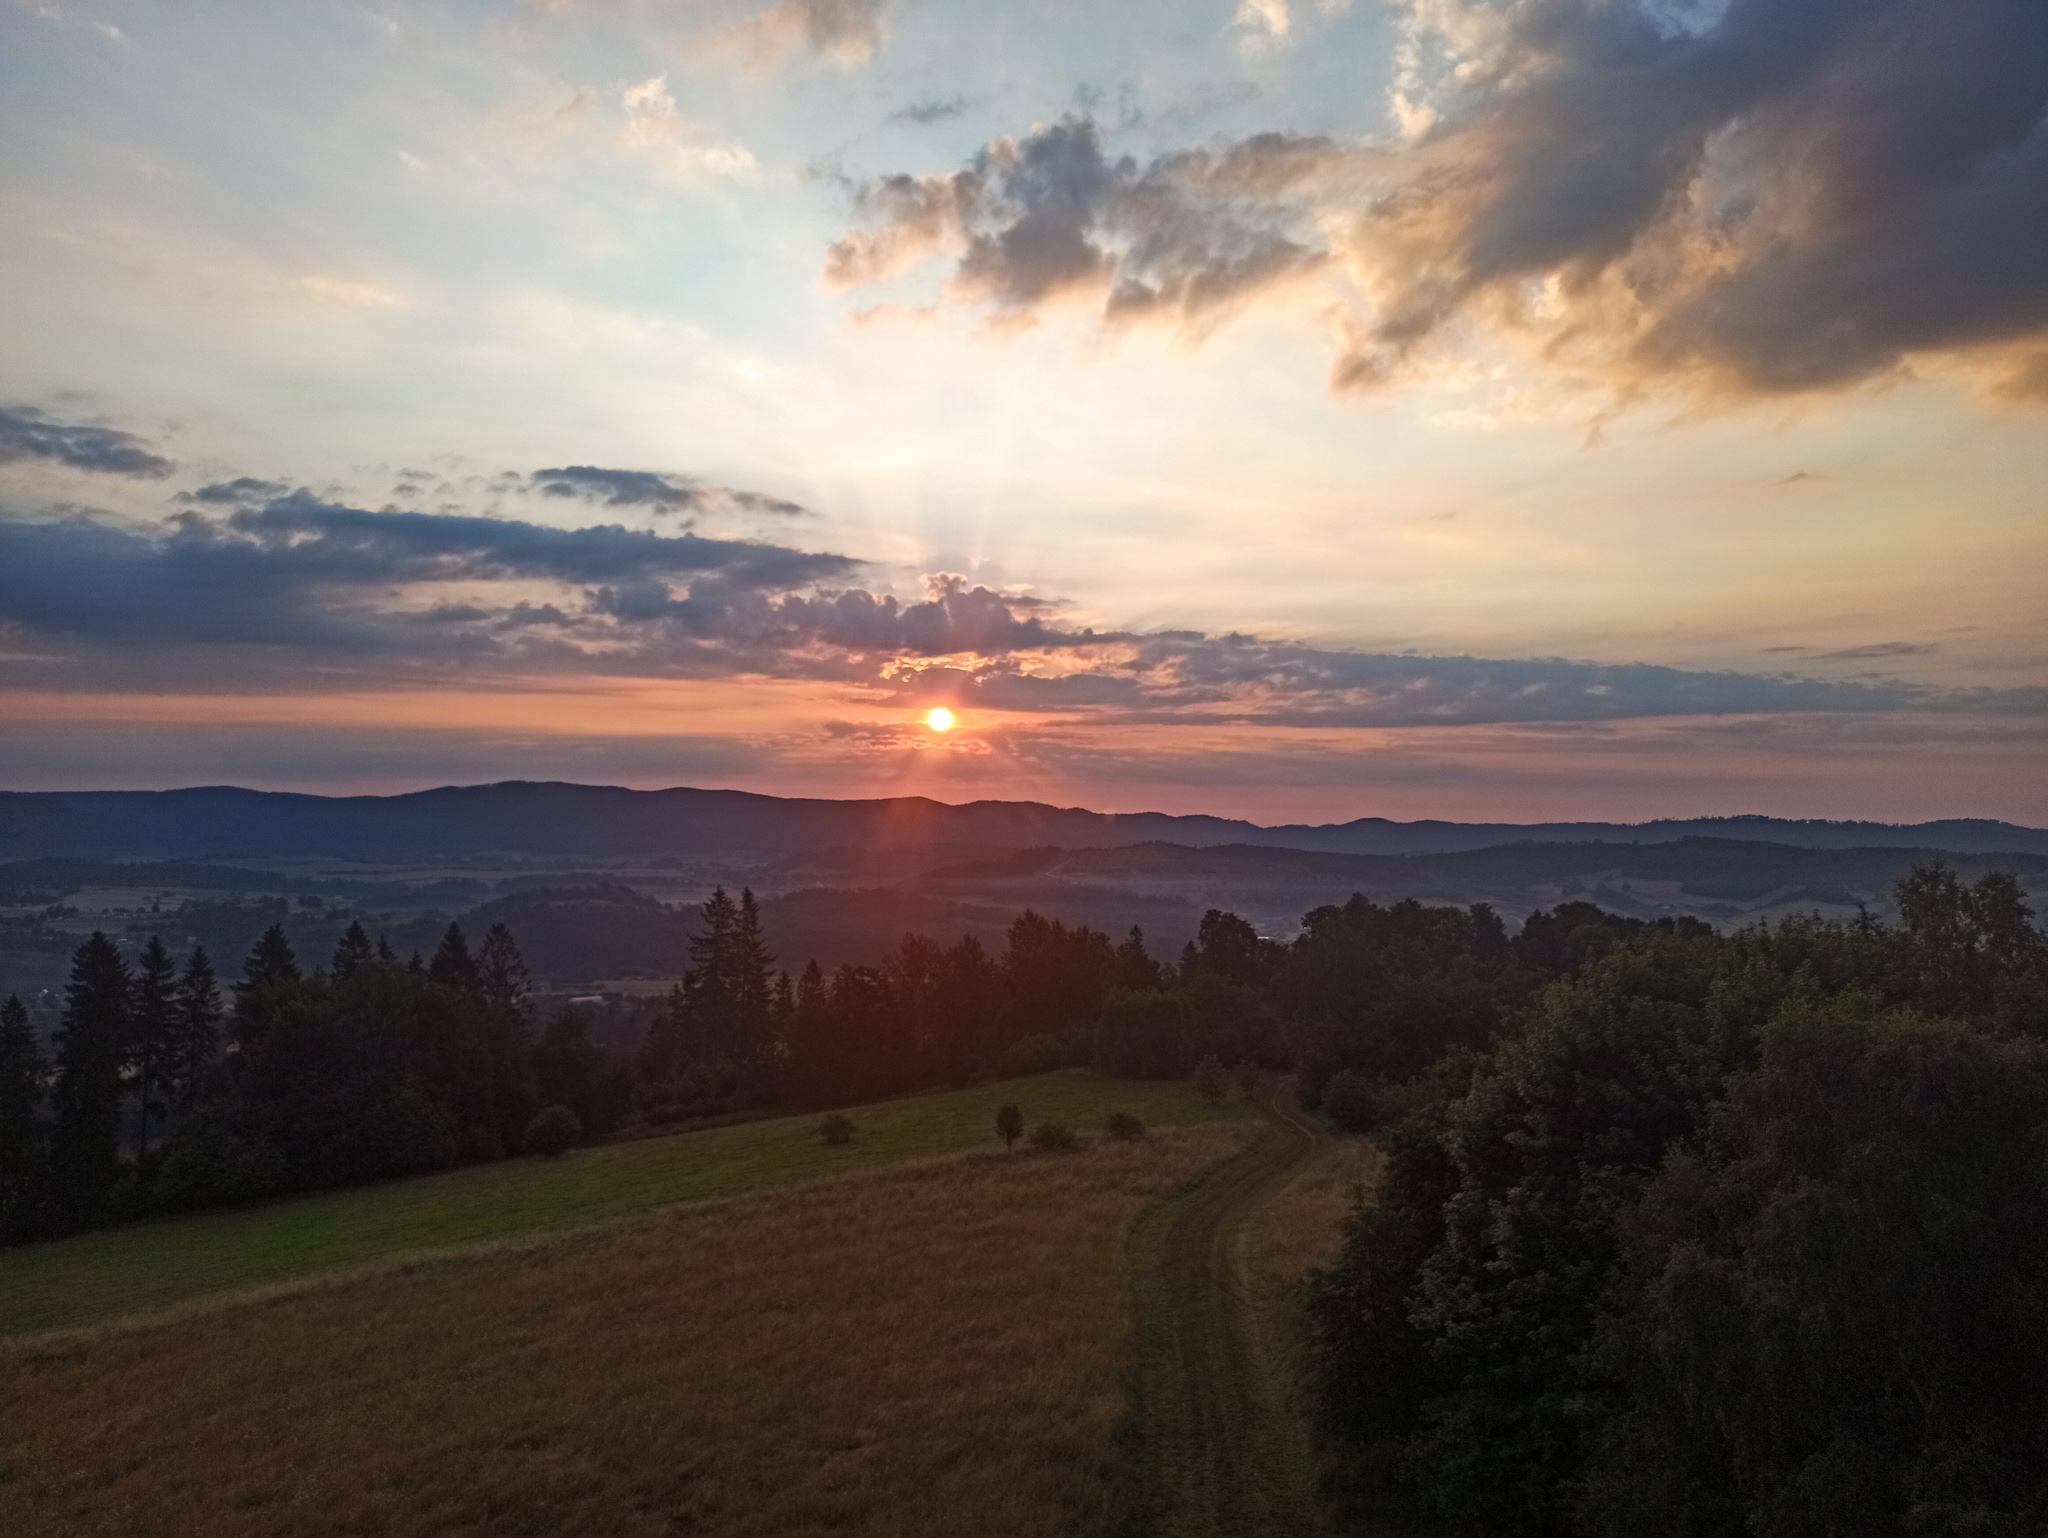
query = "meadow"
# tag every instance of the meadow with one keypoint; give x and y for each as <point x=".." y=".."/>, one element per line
<point x="782" y="1362"/>
<point x="143" y="1267"/>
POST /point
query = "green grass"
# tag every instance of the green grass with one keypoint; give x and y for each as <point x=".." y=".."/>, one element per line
<point x="144" y="1267"/>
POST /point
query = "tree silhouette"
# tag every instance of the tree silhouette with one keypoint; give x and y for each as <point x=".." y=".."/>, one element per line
<point x="85" y="1101"/>
<point x="1009" y="1125"/>
<point x="153" y="1035"/>
<point x="21" y="1132"/>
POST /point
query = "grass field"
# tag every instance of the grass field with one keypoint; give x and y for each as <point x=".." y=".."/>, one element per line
<point x="147" y="1266"/>
<point x="939" y="1348"/>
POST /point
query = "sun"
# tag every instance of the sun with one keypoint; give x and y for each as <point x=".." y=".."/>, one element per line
<point x="940" y="719"/>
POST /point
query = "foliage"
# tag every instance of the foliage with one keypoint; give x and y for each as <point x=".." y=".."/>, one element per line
<point x="1349" y="1102"/>
<point x="1123" y="1126"/>
<point x="1724" y="1237"/>
<point x="1009" y="1124"/>
<point x="1210" y="1081"/>
<point x="836" y="1130"/>
<point x="21" y="1127"/>
<point x="553" y="1131"/>
<point x="1053" y="1136"/>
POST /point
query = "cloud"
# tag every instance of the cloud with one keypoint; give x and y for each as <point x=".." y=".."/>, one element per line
<point x="843" y="33"/>
<point x="250" y="579"/>
<point x="655" y="129"/>
<point x="935" y="110"/>
<point x="29" y="434"/>
<point x="645" y="488"/>
<point x="1790" y="195"/>
<point x="1050" y="216"/>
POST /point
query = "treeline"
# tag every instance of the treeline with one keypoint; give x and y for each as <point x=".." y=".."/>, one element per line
<point x="162" y="1095"/>
<point x="1741" y="1235"/>
<point x="1365" y="988"/>
<point x="157" y="1098"/>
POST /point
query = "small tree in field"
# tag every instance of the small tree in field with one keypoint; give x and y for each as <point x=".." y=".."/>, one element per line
<point x="553" y="1131"/>
<point x="1211" y="1083"/>
<point x="1053" y="1137"/>
<point x="837" y="1130"/>
<point x="1123" y="1126"/>
<point x="1009" y="1125"/>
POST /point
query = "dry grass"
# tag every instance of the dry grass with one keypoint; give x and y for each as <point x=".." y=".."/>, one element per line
<point x="937" y="1348"/>
<point x="1300" y="1228"/>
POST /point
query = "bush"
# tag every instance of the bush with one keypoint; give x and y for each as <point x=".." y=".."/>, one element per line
<point x="1009" y="1124"/>
<point x="1210" y="1081"/>
<point x="1053" y="1137"/>
<point x="1123" y="1126"/>
<point x="554" y="1130"/>
<point x="1045" y="1053"/>
<point x="1349" y="1102"/>
<point x="837" y="1130"/>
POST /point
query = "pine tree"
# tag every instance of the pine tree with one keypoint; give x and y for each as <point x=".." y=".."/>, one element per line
<point x="21" y="1132"/>
<point x="708" y="992"/>
<point x="453" y="966"/>
<point x="198" y="1026"/>
<point x="751" y="970"/>
<point x="502" y="976"/>
<point x="92" y="1047"/>
<point x="352" y="951"/>
<point x="269" y="978"/>
<point x="153" y="1035"/>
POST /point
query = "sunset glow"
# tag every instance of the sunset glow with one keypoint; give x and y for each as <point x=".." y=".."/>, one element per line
<point x="1247" y="408"/>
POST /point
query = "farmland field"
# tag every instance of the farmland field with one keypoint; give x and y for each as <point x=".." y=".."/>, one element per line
<point x="780" y="1363"/>
<point x="148" y="1266"/>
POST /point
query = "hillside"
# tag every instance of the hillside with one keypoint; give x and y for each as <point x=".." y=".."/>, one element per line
<point x="533" y="819"/>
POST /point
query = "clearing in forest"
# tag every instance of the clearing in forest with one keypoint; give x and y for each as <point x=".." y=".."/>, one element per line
<point x="142" y="1267"/>
<point x="938" y="1348"/>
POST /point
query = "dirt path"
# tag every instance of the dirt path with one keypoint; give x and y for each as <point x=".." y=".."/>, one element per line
<point x="1215" y="1454"/>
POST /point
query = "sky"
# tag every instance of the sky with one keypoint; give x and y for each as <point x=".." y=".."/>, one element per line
<point x="1291" y="409"/>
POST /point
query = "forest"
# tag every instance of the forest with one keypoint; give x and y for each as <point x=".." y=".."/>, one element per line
<point x="1723" y="1234"/>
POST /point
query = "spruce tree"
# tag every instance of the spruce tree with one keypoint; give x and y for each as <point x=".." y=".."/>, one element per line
<point x="502" y="976"/>
<point x="453" y="966"/>
<point x="751" y="970"/>
<point x="153" y="1035"/>
<point x="85" y="1101"/>
<point x="21" y="1131"/>
<point x="708" y="985"/>
<point x="198" y="1026"/>
<point x="352" y="951"/>
<point x="269" y="978"/>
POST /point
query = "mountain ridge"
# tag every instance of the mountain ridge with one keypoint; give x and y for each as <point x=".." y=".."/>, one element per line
<point x="544" y="818"/>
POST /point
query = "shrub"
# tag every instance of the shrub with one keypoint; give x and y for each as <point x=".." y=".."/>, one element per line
<point x="1210" y="1081"/>
<point x="1009" y="1125"/>
<point x="1123" y="1126"/>
<point x="1051" y="1136"/>
<point x="837" y="1130"/>
<point x="554" y="1130"/>
<point x="1349" y="1101"/>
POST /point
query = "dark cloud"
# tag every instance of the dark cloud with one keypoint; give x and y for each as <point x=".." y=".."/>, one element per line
<point x="936" y="110"/>
<point x="1049" y="215"/>
<point x="646" y="488"/>
<point x="234" y="493"/>
<point x="26" y="433"/>
<point x="298" y="587"/>
<point x="1795" y="195"/>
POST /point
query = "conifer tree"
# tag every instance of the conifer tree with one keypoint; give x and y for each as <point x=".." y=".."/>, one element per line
<point x="21" y="1131"/>
<point x="502" y="976"/>
<point x="85" y="1101"/>
<point x="751" y="969"/>
<point x="453" y="966"/>
<point x="198" y="1026"/>
<point x="708" y="987"/>
<point x="352" y="951"/>
<point x="268" y="978"/>
<point x="153" y="1035"/>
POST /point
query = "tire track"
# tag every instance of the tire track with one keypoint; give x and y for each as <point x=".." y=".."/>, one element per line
<point x="1213" y="1457"/>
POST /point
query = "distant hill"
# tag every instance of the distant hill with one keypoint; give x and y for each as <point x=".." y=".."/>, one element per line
<point x="597" y="821"/>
